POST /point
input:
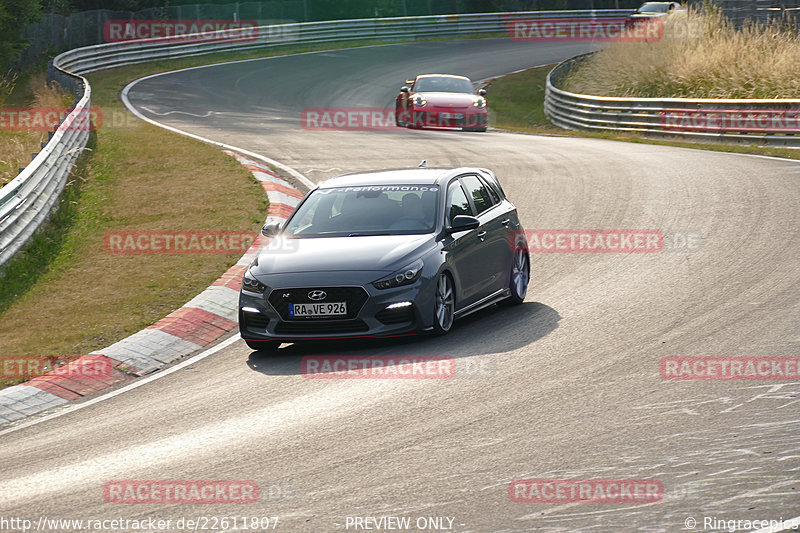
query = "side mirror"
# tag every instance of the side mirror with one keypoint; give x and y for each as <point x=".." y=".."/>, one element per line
<point x="464" y="223"/>
<point x="270" y="230"/>
<point x="404" y="89"/>
<point x="482" y="92"/>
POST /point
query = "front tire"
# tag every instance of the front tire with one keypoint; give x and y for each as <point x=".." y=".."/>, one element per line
<point x="263" y="346"/>
<point x="444" y="305"/>
<point x="398" y="113"/>
<point x="520" y="277"/>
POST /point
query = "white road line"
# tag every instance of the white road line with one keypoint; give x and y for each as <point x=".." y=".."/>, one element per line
<point x="138" y="383"/>
<point x="207" y="114"/>
<point x="300" y="177"/>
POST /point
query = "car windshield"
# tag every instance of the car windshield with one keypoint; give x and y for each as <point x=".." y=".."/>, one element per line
<point x="654" y="7"/>
<point x="442" y="84"/>
<point x="366" y="210"/>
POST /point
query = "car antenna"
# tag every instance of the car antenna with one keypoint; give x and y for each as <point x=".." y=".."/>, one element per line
<point x="424" y="164"/>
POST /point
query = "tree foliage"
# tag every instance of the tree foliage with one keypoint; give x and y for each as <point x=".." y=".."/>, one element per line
<point x="14" y="15"/>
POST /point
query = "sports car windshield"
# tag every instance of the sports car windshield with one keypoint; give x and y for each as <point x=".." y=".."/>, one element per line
<point x="443" y="85"/>
<point x="654" y="7"/>
<point x="366" y="210"/>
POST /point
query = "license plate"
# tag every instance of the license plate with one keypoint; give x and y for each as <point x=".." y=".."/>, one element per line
<point x="324" y="309"/>
<point x="452" y="115"/>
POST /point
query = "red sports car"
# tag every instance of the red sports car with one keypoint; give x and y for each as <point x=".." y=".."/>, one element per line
<point x="441" y="100"/>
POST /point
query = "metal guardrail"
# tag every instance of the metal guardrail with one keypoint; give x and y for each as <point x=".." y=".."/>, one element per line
<point x="28" y="199"/>
<point x="90" y="58"/>
<point x="764" y="121"/>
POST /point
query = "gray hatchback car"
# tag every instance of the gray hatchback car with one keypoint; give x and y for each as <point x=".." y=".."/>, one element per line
<point x="383" y="254"/>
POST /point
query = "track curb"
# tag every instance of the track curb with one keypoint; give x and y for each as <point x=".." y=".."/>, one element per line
<point x="200" y="322"/>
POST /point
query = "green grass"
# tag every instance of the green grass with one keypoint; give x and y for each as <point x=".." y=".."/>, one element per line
<point x="517" y="101"/>
<point x="134" y="176"/>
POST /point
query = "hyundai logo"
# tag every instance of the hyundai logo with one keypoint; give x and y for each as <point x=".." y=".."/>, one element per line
<point x="317" y="295"/>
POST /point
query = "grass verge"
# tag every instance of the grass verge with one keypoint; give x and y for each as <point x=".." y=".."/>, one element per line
<point x="517" y="103"/>
<point x="700" y="55"/>
<point x="65" y="294"/>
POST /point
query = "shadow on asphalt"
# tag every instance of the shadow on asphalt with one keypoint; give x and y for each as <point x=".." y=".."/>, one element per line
<point x="496" y="329"/>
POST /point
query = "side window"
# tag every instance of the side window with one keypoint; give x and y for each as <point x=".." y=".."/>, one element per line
<point x="457" y="203"/>
<point x="479" y="192"/>
<point x="492" y="193"/>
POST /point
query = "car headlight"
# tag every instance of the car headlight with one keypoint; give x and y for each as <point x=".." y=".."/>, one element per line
<point x="404" y="276"/>
<point x="251" y="284"/>
<point x="419" y="101"/>
<point x="480" y="102"/>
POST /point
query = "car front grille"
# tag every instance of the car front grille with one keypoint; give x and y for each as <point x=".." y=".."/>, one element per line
<point x="354" y="297"/>
<point x="306" y="327"/>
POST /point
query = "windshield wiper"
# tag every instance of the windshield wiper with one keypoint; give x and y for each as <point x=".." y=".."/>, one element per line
<point x="368" y="234"/>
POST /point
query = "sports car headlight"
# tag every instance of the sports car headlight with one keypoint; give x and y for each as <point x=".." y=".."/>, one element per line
<point x="419" y="101"/>
<point x="251" y="284"/>
<point x="404" y="276"/>
<point x="480" y="103"/>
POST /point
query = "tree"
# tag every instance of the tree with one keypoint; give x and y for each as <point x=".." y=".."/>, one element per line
<point x="14" y="15"/>
<point x="119" y="5"/>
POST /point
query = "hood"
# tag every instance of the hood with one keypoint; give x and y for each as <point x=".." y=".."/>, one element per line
<point x="379" y="253"/>
<point x="448" y="99"/>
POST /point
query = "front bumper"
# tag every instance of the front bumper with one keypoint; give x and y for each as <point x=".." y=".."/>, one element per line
<point x="264" y="317"/>
<point x="444" y="117"/>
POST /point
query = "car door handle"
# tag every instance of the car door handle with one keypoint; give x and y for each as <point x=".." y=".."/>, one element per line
<point x="481" y="235"/>
<point x="506" y="222"/>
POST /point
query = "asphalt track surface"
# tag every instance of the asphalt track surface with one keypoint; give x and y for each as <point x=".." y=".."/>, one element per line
<point x="566" y="386"/>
